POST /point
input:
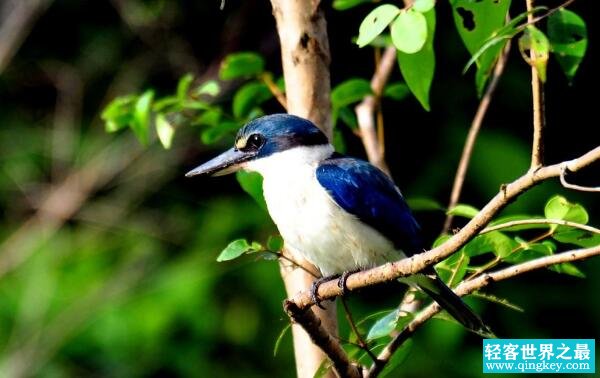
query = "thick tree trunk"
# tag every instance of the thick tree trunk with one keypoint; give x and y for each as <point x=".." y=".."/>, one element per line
<point x="305" y="58"/>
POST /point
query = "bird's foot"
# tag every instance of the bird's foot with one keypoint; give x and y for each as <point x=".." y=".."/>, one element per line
<point x="344" y="278"/>
<point x="314" y="289"/>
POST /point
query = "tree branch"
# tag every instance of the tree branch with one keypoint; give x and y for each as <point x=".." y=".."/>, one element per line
<point x="416" y="263"/>
<point x="567" y="185"/>
<point x="463" y="165"/>
<point x="537" y="91"/>
<point x="319" y="336"/>
<point x="470" y="286"/>
<point x="366" y="109"/>
<point x="540" y="221"/>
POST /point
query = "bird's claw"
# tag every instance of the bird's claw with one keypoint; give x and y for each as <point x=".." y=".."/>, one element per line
<point x="314" y="289"/>
<point x="342" y="282"/>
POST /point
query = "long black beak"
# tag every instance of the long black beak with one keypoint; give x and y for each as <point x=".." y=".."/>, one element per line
<point x="228" y="162"/>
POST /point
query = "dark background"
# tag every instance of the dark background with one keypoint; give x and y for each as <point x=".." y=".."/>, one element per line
<point x="127" y="284"/>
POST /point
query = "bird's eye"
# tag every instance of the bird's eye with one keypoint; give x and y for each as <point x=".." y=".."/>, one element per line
<point x="254" y="142"/>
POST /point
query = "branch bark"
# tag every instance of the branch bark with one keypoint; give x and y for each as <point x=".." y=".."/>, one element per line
<point x="416" y="263"/>
<point x="470" y="286"/>
<point x="305" y="59"/>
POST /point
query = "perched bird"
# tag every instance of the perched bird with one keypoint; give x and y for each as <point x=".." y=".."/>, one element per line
<point x="340" y="213"/>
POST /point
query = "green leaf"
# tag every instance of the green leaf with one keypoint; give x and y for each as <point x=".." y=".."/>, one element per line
<point x="210" y="88"/>
<point x="390" y="321"/>
<point x="577" y="237"/>
<point x="533" y="40"/>
<point x="502" y="35"/>
<point x="164" y="130"/>
<point x="183" y="86"/>
<point x="529" y="252"/>
<point x="424" y="204"/>
<point x="275" y="243"/>
<point x="339" y="144"/>
<point x="568" y="39"/>
<point x="462" y="210"/>
<point x="440" y="240"/>
<point x="213" y="134"/>
<point x="283" y="332"/>
<point x="324" y="368"/>
<point x="248" y="97"/>
<point x="251" y="182"/>
<point x="383" y="326"/>
<point x="347" y="4"/>
<point x="397" y="359"/>
<point x="397" y="91"/>
<point x="418" y="68"/>
<point x="237" y="248"/>
<point x="348" y="116"/>
<point x="453" y="269"/>
<point x="375" y="23"/>
<point x="195" y="105"/>
<point x="476" y="21"/>
<point x="118" y="114"/>
<point x="559" y="208"/>
<point x="241" y="65"/>
<point x="409" y="31"/>
<point x="267" y="255"/>
<point x="567" y="268"/>
<point x="141" y="116"/>
<point x="166" y="104"/>
<point x="350" y="91"/>
<point x="211" y="117"/>
<point x="423" y="6"/>
<point x="382" y="41"/>
<point x="495" y="241"/>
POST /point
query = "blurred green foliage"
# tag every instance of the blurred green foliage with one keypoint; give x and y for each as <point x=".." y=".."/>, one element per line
<point x="108" y="256"/>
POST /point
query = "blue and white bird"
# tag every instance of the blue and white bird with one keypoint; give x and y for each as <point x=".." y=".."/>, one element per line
<point x="342" y="214"/>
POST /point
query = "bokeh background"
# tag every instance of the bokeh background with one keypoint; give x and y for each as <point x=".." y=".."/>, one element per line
<point x="107" y="254"/>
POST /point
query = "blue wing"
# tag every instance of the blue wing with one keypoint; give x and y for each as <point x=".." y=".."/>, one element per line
<point x="366" y="192"/>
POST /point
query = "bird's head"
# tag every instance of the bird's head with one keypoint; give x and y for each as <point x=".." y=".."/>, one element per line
<point x="263" y="139"/>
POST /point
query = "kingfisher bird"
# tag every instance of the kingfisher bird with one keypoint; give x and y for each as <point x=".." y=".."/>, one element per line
<point x="340" y="213"/>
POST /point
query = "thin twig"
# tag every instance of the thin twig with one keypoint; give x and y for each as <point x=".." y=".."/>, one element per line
<point x="564" y="183"/>
<point x="467" y="287"/>
<point x="365" y="111"/>
<point x="296" y="264"/>
<point x="537" y="91"/>
<point x="497" y="260"/>
<point x="540" y="221"/>
<point x="362" y="344"/>
<point x="279" y="95"/>
<point x="463" y="165"/>
<point x="535" y="20"/>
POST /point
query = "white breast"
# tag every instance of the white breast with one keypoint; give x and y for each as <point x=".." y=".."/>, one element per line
<point x="310" y="221"/>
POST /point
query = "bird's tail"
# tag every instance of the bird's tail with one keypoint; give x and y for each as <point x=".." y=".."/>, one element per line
<point x="433" y="286"/>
